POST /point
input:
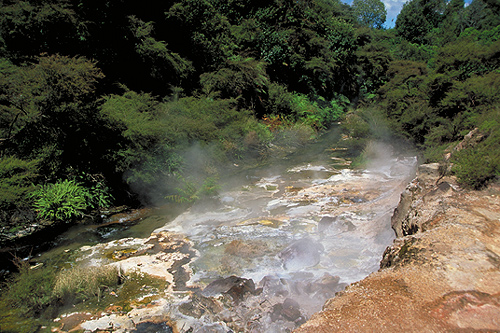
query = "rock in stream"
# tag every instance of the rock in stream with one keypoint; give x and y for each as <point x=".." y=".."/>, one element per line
<point x="267" y="256"/>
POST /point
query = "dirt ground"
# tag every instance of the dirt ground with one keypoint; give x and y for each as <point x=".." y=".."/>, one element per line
<point x="441" y="275"/>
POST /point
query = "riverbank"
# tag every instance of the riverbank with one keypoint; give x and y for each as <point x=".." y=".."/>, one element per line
<point x="263" y="257"/>
<point x="441" y="274"/>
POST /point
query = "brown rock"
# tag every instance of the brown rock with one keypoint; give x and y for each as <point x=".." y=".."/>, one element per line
<point x="233" y="286"/>
<point x="441" y="275"/>
<point x="199" y="306"/>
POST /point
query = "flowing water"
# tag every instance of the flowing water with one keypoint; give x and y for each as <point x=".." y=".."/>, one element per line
<point x="267" y="254"/>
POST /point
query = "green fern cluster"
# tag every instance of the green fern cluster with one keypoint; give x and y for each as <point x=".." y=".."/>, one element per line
<point x="68" y="199"/>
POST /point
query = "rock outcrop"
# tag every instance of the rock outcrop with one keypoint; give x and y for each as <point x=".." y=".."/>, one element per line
<point x="441" y="274"/>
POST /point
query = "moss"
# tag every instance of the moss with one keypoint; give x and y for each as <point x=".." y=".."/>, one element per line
<point x="122" y="254"/>
<point x="408" y="251"/>
<point x="138" y="290"/>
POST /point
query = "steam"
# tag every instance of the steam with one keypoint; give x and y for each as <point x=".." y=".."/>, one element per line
<point x="300" y="235"/>
<point x="283" y="239"/>
<point x="190" y="167"/>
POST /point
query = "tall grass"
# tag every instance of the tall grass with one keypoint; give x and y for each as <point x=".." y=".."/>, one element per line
<point x="33" y="296"/>
<point x="82" y="283"/>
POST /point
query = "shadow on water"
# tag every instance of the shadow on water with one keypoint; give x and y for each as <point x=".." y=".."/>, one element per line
<point x="54" y="245"/>
<point x="44" y="244"/>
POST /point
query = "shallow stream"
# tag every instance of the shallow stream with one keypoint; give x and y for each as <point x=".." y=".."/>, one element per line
<point x="266" y="254"/>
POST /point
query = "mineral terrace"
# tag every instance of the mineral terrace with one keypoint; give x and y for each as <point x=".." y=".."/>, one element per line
<point x="442" y="274"/>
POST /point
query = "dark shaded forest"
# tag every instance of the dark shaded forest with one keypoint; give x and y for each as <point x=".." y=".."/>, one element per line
<point x="101" y="99"/>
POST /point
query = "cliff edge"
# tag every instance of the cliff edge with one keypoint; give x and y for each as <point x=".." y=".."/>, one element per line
<point x="442" y="273"/>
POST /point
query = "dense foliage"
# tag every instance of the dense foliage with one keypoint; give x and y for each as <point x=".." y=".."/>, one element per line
<point x="434" y="78"/>
<point x="102" y="99"/>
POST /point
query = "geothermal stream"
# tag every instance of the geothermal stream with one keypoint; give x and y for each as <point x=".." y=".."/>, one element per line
<point x="268" y="254"/>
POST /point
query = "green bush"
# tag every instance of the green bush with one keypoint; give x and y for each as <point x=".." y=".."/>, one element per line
<point x="476" y="167"/>
<point x="68" y="199"/>
<point x="317" y="114"/>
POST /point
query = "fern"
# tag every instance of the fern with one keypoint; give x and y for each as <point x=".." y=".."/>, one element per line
<point x="60" y="201"/>
<point x="68" y="199"/>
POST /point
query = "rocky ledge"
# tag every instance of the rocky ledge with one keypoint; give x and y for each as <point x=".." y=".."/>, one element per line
<point x="441" y="274"/>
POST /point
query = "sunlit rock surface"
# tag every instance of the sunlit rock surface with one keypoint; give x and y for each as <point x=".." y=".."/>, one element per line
<point x="441" y="275"/>
<point x="268" y="255"/>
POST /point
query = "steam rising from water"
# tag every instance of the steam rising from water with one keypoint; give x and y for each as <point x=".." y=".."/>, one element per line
<point x="197" y="164"/>
<point x="300" y="236"/>
<point x="275" y="245"/>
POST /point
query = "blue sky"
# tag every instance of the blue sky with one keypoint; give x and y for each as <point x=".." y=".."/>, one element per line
<point x="393" y="8"/>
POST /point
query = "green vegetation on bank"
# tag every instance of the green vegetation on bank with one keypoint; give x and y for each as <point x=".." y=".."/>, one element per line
<point x="34" y="295"/>
<point x="440" y="77"/>
<point x="113" y="102"/>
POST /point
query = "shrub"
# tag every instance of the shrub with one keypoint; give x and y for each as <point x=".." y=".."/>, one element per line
<point x="317" y="114"/>
<point x="315" y="111"/>
<point x="476" y="167"/>
<point x="68" y="199"/>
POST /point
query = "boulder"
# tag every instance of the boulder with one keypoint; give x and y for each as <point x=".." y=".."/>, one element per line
<point x="234" y="286"/>
<point x="288" y="310"/>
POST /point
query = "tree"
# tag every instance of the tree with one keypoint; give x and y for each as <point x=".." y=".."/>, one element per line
<point x="453" y="21"/>
<point x="373" y="59"/>
<point x="417" y="19"/>
<point x="162" y="62"/>
<point x="404" y="97"/>
<point x="30" y="27"/>
<point x="46" y="111"/>
<point x="482" y="15"/>
<point x="370" y="13"/>
<point x="243" y="77"/>
<point x="16" y="181"/>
